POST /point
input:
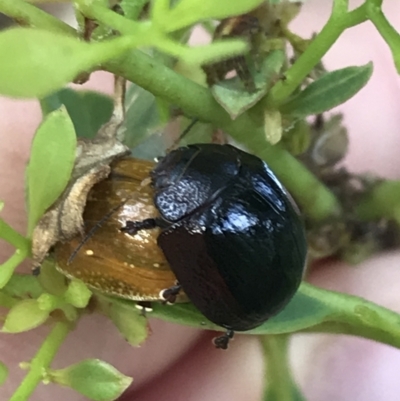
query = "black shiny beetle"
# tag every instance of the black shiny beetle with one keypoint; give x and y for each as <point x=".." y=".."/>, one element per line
<point x="230" y="232"/>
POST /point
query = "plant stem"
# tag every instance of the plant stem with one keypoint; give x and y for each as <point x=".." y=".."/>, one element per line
<point x="339" y="20"/>
<point x="340" y="7"/>
<point x="11" y="236"/>
<point x="356" y="316"/>
<point x="389" y="34"/>
<point x="111" y="19"/>
<point x="41" y="361"/>
<point x="279" y="381"/>
<point x="28" y="15"/>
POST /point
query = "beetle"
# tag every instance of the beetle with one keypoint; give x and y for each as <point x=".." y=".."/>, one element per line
<point x="130" y="267"/>
<point x="230" y="232"/>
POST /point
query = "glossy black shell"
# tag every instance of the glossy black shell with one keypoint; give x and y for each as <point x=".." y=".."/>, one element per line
<point x="232" y="234"/>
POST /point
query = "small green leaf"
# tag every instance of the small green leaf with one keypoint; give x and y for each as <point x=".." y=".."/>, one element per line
<point x="13" y="237"/>
<point x="51" y="279"/>
<point x="35" y="63"/>
<point x="297" y="138"/>
<point x="3" y="373"/>
<point x="48" y="302"/>
<point x="131" y="324"/>
<point x="7" y="301"/>
<point x="93" y="378"/>
<point x="331" y="90"/>
<point x="133" y="9"/>
<point x="88" y="110"/>
<point x="77" y="294"/>
<point x="23" y="286"/>
<point x="25" y="315"/>
<point x="272" y="126"/>
<point x="51" y="163"/>
<point x="200" y="133"/>
<point x="142" y="116"/>
<point x="381" y="201"/>
<point x="187" y="13"/>
<point x="7" y="268"/>
<point x="232" y="96"/>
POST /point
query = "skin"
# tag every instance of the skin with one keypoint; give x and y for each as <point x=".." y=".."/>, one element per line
<point x="179" y="363"/>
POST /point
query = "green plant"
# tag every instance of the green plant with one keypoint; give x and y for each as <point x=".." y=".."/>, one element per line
<point x="280" y="106"/>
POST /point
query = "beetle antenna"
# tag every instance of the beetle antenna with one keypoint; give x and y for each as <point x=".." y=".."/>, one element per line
<point x="183" y="134"/>
<point x="92" y="231"/>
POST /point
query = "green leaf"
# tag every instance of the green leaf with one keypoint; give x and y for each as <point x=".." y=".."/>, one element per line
<point x="272" y="126"/>
<point x="232" y="96"/>
<point x="131" y="324"/>
<point x="7" y="301"/>
<point x="132" y="9"/>
<point x="331" y="90"/>
<point x="35" y="63"/>
<point x="51" y="163"/>
<point x="77" y="294"/>
<point x="13" y="237"/>
<point x="381" y="201"/>
<point x="8" y="267"/>
<point x="48" y="302"/>
<point x="187" y="13"/>
<point x="23" y="286"/>
<point x="25" y="315"/>
<point x="93" y="378"/>
<point x="200" y="133"/>
<point x="88" y="110"/>
<point x="142" y="116"/>
<point x="311" y="309"/>
<point x="3" y="373"/>
<point x="51" y="279"/>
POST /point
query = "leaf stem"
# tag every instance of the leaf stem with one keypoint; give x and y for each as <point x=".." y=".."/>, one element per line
<point x="41" y="361"/>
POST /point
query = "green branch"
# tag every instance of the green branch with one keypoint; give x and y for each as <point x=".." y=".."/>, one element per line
<point x="339" y="21"/>
<point x="389" y="34"/>
<point x="41" y="361"/>
<point x="28" y="15"/>
<point x="280" y="385"/>
<point x="356" y="316"/>
<point x="13" y="237"/>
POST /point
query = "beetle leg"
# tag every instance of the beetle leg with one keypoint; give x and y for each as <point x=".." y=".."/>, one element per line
<point x="222" y="342"/>
<point x="169" y="294"/>
<point x="132" y="227"/>
<point x="144" y="307"/>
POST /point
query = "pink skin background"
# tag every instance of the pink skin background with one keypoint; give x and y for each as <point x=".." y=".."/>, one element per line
<point x="180" y="364"/>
